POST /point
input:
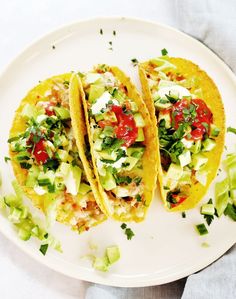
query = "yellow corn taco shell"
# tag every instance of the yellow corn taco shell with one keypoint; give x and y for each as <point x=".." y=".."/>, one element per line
<point x="148" y="170"/>
<point x="78" y="211"/>
<point x="187" y="74"/>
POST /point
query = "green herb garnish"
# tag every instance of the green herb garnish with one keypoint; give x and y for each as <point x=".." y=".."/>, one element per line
<point x="43" y="249"/>
<point x="164" y="52"/>
<point x="123" y="225"/>
<point x="230" y="211"/>
<point x="6" y="159"/>
<point x="201" y="228"/>
<point x="134" y="61"/>
<point x="138" y="197"/>
<point x="129" y="233"/>
<point x="231" y="130"/>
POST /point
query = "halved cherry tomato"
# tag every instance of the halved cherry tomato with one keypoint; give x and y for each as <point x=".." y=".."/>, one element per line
<point x="40" y="153"/>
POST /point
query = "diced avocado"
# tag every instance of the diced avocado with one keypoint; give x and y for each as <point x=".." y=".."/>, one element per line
<point x="77" y="173"/>
<point x="111" y="116"/>
<point x="198" y="160"/>
<point x="63" y="140"/>
<point x="101" y="263"/>
<point x="108" y="131"/>
<point x="166" y="117"/>
<point x="105" y="154"/>
<point x="59" y="184"/>
<point x="208" y="145"/>
<point x="29" y="111"/>
<point x="98" y="145"/>
<point x="97" y="132"/>
<point x="118" y="96"/>
<point x="140" y="136"/>
<point x="174" y="172"/>
<point x="84" y="188"/>
<point x="95" y="91"/>
<point x="196" y="147"/>
<point x="62" y="155"/>
<point x="21" y="156"/>
<point x="62" y="112"/>
<point x="214" y="131"/>
<point x="134" y="107"/>
<point x="47" y="178"/>
<point x="129" y="163"/>
<point x="136" y="152"/>
<point x="162" y="104"/>
<point x="24" y="234"/>
<point x="11" y="200"/>
<point x="186" y="177"/>
<point x="139" y="121"/>
<point x="113" y="254"/>
<point x="99" y="117"/>
<point x="185" y="158"/>
<point x="63" y="170"/>
<point x="32" y="176"/>
<point x="201" y="176"/>
<point x="108" y="182"/>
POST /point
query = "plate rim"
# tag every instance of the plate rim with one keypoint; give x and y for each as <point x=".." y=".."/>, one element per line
<point x="117" y="283"/>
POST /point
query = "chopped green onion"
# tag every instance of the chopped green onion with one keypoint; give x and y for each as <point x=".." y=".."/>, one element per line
<point x="123" y="225"/>
<point x="6" y="159"/>
<point x="134" y="61"/>
<point x="231" y="129"/>
<point x="230" y="211"/>
<point x="201" y="228"/>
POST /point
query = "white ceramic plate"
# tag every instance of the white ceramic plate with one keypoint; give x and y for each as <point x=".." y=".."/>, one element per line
<point x="166" y="247"/>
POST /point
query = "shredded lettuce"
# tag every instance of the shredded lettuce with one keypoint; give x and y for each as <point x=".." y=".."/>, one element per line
<point x="221" y="196"/>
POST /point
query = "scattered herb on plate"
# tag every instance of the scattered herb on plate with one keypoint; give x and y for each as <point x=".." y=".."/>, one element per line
<point x="134" y="61"/>
<point x="128" y="231"/>
<point x="164" y="52"/>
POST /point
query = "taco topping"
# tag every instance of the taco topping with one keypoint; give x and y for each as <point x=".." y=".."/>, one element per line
<point x="118" y="139"/>
<point x="47" y="151"/>
<point x="186" y="130"/>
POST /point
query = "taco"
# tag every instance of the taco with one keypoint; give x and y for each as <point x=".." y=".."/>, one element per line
<point x="45" y="157"/>
<point x="122" y="143"/>
<point x="186" y="106"/>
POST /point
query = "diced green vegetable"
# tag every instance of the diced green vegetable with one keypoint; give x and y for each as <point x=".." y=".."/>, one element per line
<point x="201" y="229"/>
<point x="198" y="160"/>
<point x="113" y="254"/>
<point x="95" y="91"/>
<point x="185" y="158"/>
<point x="208" y="209"/>
<point x="230" y="211"/>
<point x="108" y="182"/>
<point x="101" y="263"/>
<point x="221" y="196"/>
<point x="62" y="112"/>
<point x="196" y="147"/>
<point x="29" y="111"/>
<point x="214" y="131"/>
<point x="174" y="172"/>
<point x="140" y="136"/>
<point x="45" y="179"/>
<point x="139" y="121"/>
<point x="208" y="145"/>
<point x="62" y="155"/>
<point x="84" y="188"/>
<point x="231" y="129"/>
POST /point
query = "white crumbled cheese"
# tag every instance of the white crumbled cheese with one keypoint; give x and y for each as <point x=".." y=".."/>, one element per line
<point x="187" y="143"/>
<point x="70" y="183"/>
<point x="175" y="90"/>
<point x="101" y="103"/>
<point x="92" y="77"/>
<point x="39" y="190"/>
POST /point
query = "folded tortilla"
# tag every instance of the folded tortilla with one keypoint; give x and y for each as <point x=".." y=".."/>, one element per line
<point x="120" y="157"/>
<point x="45" y="157"/>
<point x="199" y="160"/>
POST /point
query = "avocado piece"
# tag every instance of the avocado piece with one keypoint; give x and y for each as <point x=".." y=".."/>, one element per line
<point x="214" y="131"/>
<point x="63" y="170"/>
<point x="33" y="173"/>
<point x="47" y="178"/>
<point x="208" y="145"/>
<point x="174" y="172"/>
<point x="62" y="155"/>
<point x="111" y="116"/>
<point x="95" y="91"/>
<point x="98" y="145"/>
<point x="118" y="96"/>
<point x="84" y="188"/>
<point x="140" y="136"/>
<point x="21" y="156"/>
<point x="101" y="263"/>
<point x="166" y="117"/>
<point x="196" y="147"/>
<point x="99" y="117"/>
<point x="105" y="154"/>
<point x="62" y="112"/>
<point x="162" y="104"/>
<point x="186" y="177"/>
<point x="113" y="254"/>
<point x="136" y="152"/>
<point x="198" y="160"/>
<point x="131" y="162"/>
<point x="108" y="131"/>
<point x="139" y="121"/>
<point x="185" y="158"/>
<point x="108" y="182"/>
<point x="29" y="111"/>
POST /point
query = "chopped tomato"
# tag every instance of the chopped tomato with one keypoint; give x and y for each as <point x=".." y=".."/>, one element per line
<point x="179" y="200"/>
<point x="48" y="106"/>
<point x="40" y="153"/>
<point x="126" y="128"/>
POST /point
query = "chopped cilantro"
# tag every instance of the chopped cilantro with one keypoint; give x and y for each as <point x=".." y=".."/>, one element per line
<point x="231" y="129"/>
<point x="230" y="211"/>
<point x="123" y="225"/>
<point x="25" y="165"/>
<point x="43" y="249"/>
<point x="164" y="52"/>
<point x="123" y="180"/>
<point x="125" y="164"/>
<point x="138" y="197"/>
<point x="137" y="180"/>
<point x="201" y="228"/>
<point x="6" y="159"/>
<point x="129" y="233"/>
<point x="134" y="61"/>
